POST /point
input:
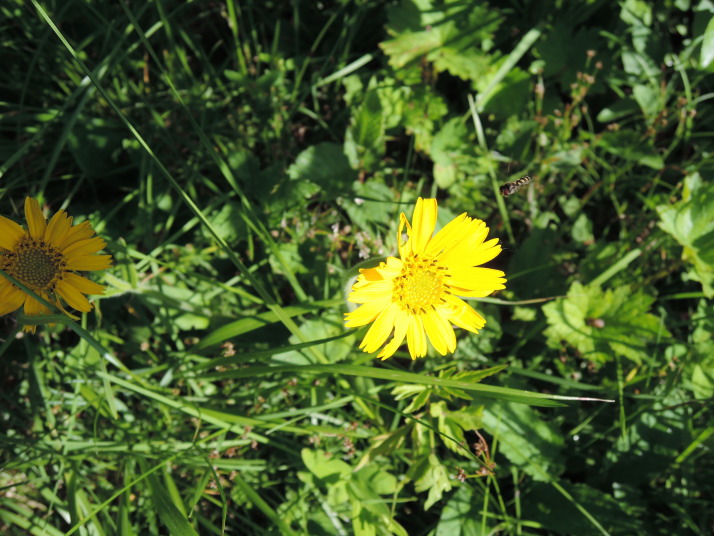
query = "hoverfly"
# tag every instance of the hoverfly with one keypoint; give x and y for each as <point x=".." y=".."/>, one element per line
<point x="512" y="187"/>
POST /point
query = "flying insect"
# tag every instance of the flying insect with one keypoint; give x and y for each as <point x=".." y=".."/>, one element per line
<point x="510" y="188"/>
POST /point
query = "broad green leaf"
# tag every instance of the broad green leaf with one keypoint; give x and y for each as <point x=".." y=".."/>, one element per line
<point x="629" y="145"/>
<point x="371" y="205"/>
<point x="322" y="328"/>
<point x="449" y="151"/>
<point x="620" y="109"/>
<point x="376" y="480"/>
<point x="385" y="444"/>
<point x="364" y="140"/>
<point x="453" y="424"/>
<point x="650" y="99"/>
<point x="691" y="222"/>
<point x="461" y="516"/>
<point x="701" y="351"/>
<point x="599" y="323"/>
<point x="651" y="443"/>
<point x="544" y="504"/>
<point x="430" y="475"/>
<point x="510" y="96"/>
<point x="96" y="144"/>
<point x="422" y="116"/>
<point x="528" y="441"/>
<point x="324" y="165"/>
<point x="326" y="468"/>
<point x="564" y="49"/>
<point x="290" y="259"/>
<point x="452" y="35"/>
<point x="228" y="222"/>
<point x="707" y="54"/>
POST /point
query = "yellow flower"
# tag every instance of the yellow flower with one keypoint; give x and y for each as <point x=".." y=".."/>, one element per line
<point x="44" y="258"/>
<point x="415" y="296"/>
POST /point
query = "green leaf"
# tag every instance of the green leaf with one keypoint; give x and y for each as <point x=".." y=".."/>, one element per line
<point x="528" y="441"/>
<point x="449" y="150"/>
<point x="701" y="349"/>
<point x="326" y="468"/>
<point x="453" y="424"/>
<point x="324" y="327"/>
<point x="429" y="474"/>
<point x="564" y="49"/>
<point x="422" y="115"/>
<point x="248" y="324"/>
<point x="620" y="109"/>
<point x="707" y="54"/>
<point x="485" y="391"/>
<point x="170" y="515"/>
<point x="96" y="144"/>
<point x="385" y="444"/>
<point x="364" y="140"/>
<point x="629" y="145"/>
<point x="510" y="96"/>
<point x="650" y="444"/>
<point x="371" y="205"/>
<point x="376" y="480"/>
<point x="599" y="323"/>
<point x="455" y="36"/>
<point x="649" y="98"/>
<point x="544" y="504"/>
<point x="461" y="516"/>
<point x="324" y="165"/>
<point x="691" y="222"/>
<point x="228" y="223"/>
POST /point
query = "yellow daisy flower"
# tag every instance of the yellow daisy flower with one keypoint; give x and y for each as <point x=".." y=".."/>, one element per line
<point x="44" y="258"/>
<point x="415" y="296"/>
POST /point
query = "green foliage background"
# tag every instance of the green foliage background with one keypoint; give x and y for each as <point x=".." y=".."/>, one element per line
<point x="240" y="157"/>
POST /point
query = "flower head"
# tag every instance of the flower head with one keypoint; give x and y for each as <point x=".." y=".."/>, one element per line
<point x="416" y="295"/>
<point x="44" y="258"/>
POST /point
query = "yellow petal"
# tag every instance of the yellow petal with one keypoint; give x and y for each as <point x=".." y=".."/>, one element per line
<point x="423" y="223"/>
<point x="57" y="228"/>
<point x="374" y="291"/>
<point x="90" y="263"/>
<point x="401" y="323"/>
<point x="440" y="333"/>
<point x="82" y="284"/>
<point x="405" y="248"/>
<point x="463" y="315"/>
<point x="11" y="298"/>
<point x="35" y="308"/>
<point x="364" y="314"/>
<point x="471" y="241"/>
<point x="451" y="233"/>
<point x="36" y="222"/>
<point x="10" y="233"/>
<point x="73" y="297"/>
<point x="79" y="232"/>
<point x="84" y="247"/>
<point x="474" y="279"/>
<point x="416" y="338"/>
<point x="380" y="330"/>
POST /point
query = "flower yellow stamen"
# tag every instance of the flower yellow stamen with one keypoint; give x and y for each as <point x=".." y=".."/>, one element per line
<point x="420" y="287"/>
<point x="36" y="264"/>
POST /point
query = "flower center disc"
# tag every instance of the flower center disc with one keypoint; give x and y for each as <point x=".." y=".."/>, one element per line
<point x="420" y="287"/>
<point x="36" y="264"/>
